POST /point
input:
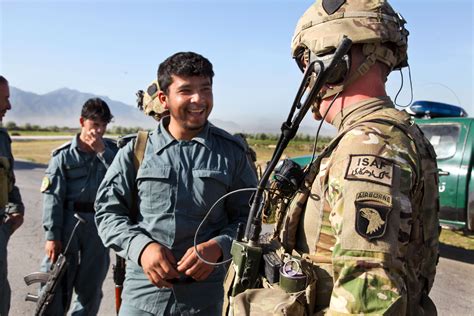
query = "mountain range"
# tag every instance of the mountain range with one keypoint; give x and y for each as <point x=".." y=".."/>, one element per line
<point x="62" y="107"/>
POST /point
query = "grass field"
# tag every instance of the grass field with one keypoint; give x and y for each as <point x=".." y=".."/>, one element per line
<point x="39" y="151"/>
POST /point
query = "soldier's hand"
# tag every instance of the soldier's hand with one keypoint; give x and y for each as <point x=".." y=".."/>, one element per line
<point x="15" y="220"/>
<point x="192" y="266"/>
<point x="159" y="264"/>
<point x="53" y="249"/>
<point x="95" y="141"/>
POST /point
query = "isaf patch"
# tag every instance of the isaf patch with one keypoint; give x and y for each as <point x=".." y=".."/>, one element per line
<point x="370" y="168"/>
<point x="372" y="212"/>
<point x="45" y="184"/>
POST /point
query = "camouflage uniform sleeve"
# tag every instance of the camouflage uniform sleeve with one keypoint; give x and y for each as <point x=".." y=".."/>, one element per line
<point x="15" y="203"/>
<point x="53" y="188"/>
<point x="370" y="177"/>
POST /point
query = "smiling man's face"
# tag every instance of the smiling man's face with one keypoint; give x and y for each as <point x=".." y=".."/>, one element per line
<point x="189" y="101"/>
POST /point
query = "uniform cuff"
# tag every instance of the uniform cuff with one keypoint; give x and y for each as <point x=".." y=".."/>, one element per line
<point x="225" y="242"/>
<point x="136" y="247"/>
<point x="54" y="234"/>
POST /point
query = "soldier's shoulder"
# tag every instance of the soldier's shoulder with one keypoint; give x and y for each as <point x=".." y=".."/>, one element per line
<point x="226" y="136"/>
<point x="61" y="148"/>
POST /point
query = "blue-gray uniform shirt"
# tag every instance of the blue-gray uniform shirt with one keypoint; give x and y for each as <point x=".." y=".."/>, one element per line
<point x="177" y="183"/>
<point x="72" y="176"/>
<point x="15" y="204"/>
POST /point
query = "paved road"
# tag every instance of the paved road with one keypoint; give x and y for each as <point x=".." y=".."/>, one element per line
<point x="453" y="291"/>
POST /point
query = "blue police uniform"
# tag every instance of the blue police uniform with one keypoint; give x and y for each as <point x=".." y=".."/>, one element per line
<point x="70" y="185"/>
<point x="13" y="204"/>
<point x="177" y="183"/>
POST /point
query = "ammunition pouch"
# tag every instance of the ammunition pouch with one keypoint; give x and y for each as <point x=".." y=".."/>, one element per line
<point x="289" y="294"/>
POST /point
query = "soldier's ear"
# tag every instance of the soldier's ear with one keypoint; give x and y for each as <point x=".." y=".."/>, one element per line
<point x="163" y="99"/>
<point x="81" y="121"/>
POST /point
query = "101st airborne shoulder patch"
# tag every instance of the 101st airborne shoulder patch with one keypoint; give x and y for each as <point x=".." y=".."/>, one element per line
<point x="370" y="168"/>
<point x="45" y="184"/>
<point x="372" y="211"/>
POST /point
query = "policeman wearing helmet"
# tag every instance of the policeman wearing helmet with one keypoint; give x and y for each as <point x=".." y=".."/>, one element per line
<point x="364" y="223"/>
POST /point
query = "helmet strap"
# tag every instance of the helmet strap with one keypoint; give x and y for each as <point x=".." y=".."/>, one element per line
<point x="374" y="52"/>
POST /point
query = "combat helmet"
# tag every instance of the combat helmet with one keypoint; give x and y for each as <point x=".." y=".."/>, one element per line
<point x="373" y="23"/>
<point x="148" y="101"/>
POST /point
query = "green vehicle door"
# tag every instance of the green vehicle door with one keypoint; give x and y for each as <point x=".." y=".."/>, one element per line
<point x="449" y="139"/>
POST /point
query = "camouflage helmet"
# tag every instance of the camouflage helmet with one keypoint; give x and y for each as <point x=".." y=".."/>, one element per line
<point x="370" y="22"/>
<point x="149" y="103"/>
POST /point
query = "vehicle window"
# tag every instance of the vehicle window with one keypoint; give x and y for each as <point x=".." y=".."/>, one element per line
<point x="443" y="137"/>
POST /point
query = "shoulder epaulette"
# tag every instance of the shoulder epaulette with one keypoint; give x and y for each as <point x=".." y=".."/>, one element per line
<point x="220" y="132"/>
<point x="55" y="151"/>
<point x="124" y="140"/>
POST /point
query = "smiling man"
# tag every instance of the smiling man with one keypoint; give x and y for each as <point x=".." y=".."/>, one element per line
<point x="188" y="165"/>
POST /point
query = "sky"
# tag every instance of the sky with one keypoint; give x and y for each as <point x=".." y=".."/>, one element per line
<point x="113" y="48"/>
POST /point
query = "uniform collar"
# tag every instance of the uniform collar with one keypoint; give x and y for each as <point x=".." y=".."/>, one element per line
<point x="75" y="142"/>
<point x="353" y="113"/>
<point x="162" y="138"/>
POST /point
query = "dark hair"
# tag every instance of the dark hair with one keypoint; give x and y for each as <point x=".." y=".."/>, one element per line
<point x="96" y="109"/>
<point x="3" y="80"/>
<point x="183" y="64"/>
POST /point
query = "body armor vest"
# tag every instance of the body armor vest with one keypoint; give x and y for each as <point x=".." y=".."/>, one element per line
<point x="304" y="229"/>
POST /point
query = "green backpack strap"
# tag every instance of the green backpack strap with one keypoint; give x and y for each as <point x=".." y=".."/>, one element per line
<point x="138" y="155"/>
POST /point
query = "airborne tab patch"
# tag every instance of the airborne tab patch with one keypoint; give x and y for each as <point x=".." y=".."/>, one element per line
<point x="370" y="168"/>
<point x="372" y="211"/>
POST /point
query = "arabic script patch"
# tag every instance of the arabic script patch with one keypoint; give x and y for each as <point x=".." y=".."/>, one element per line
<point x="370" y="168"/>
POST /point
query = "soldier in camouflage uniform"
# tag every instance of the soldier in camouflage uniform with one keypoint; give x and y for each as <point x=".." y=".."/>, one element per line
<point x="11" y="205"/>
<point x="365" y="220"/>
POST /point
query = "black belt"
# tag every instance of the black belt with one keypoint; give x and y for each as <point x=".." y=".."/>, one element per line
<point x="82" y="207"/>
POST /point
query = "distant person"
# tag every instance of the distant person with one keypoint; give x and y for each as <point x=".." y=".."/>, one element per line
<point x="188" y="165"/>
<point x="70" y="185"/>
<point x="11" y="205"/>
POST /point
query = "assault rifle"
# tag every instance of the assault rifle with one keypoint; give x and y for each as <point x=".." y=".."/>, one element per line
<point x="246" y="251"/>
<point x="51" y="279"/>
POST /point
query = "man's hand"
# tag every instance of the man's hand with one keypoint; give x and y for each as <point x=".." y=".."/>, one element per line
<point x="159" y="264"/>
<point x="53" y="249"/>
<point x="95" y="141"/>
<point x="15" y="220"/>
<point x="192" y="266"/>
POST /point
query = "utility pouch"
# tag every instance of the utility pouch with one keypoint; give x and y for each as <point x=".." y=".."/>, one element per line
<point x="4" y="183"/>
<point x="268" y="302"/>
<point x="294" y="294"/>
